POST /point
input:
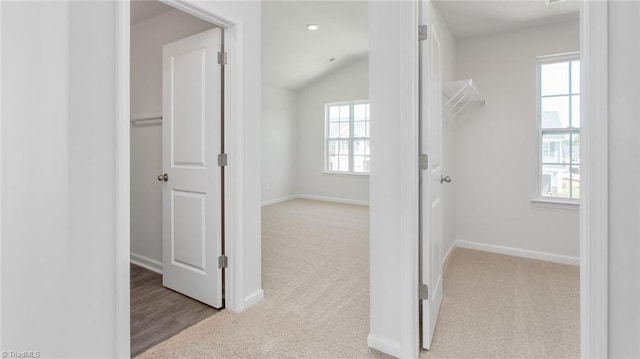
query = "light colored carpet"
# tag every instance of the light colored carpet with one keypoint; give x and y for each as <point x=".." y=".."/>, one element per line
<point x="316" y="283"/>
<point x="315" y="275"/>
<point x="498" y="306"/>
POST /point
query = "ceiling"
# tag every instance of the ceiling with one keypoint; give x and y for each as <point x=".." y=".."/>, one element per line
<point x="469" y="18"/>
<point x="142" y="10"/>
<point x="293" y="56"/>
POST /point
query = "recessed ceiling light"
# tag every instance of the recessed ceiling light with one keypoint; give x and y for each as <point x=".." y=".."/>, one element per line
<point x="313" y="27"/>
<point x="551" y="2"/>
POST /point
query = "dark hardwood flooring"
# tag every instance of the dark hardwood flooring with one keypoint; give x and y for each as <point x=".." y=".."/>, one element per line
<point x="158" y="313"/>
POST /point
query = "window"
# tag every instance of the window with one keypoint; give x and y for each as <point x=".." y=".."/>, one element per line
<point x="559" y="124"/>
<point x="347" y="137"/>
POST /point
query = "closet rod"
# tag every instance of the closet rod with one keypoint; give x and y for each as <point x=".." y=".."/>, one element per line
<point x="135" y="120"/>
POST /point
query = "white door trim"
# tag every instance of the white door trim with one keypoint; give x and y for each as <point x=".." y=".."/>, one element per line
<point x="408" y="116"/>
<point x="234" y="174"/>
<point x="123" y="181"/>
<point x="594" y="202"/>
<point x="1" y="346"/>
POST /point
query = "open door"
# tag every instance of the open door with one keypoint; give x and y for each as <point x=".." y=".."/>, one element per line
<point x="192" y="189"/>
<point x="430" y="176"/>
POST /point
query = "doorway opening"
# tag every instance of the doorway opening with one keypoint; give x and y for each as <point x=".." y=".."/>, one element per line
<point x="177" y="193"/>
<point x="316" y="158"/>
<point x="500" y="198"/>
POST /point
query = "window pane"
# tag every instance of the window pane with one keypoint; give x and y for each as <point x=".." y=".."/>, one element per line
<point x="344" y="113"/>
<point x="575" y="111"/>
<point x="575" y="148"/>
<point x="360" y="112"/>
<point x="338" y="148"/>
<point x="343" y="164"/>
<point x="343" y="147"/>
<point x="332" y="164"/>
<point x="575" y="76"/>
<point x="360" y="129"/>
<point x="555" y="112"/>
<point x="575" y="182"/>
<point x="554" y="181"/>
<point x="333" y="148"/>
<point x="361" y="164"/>
<point x="361" y="147"/>
<point x="334" y="130"/>
<point x="555" y="148"/>
<point x="554" y="79"/>
<point x="367" y="129"/>
<point x="334" y="114"/>
<point x="344" y="130"/>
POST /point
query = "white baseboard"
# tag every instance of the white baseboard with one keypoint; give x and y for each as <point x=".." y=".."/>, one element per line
<point x="146" y="262"/>
<point x="314" y="198"/>
<point x="449" y="251"/>
<point x="278" y="200"/>
<point x="333" y="199"/>
<point x="385" y="346"/>
<point x="524" y="253"/>
<point x="253" y="298"/>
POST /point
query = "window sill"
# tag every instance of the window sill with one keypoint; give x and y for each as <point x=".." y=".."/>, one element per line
<point x="556" y="203"/>
<point x="347" y="173"/>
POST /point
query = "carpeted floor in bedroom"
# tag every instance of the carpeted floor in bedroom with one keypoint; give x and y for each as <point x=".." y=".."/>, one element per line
<point x="315" y="275"/>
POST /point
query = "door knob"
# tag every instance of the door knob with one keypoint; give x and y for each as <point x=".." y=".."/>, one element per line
<point x="163" y="177"/>
<point x="445" y="179"/>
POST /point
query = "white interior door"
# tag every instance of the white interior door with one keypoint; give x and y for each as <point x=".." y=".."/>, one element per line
<point x="191" y="142"/>
<point x="430" y="178"/>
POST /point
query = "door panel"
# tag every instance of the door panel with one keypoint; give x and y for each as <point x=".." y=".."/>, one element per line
<point x="189" y="240"/>
<point x="430" y="183"/>
<point x="191" y="141"/>
<point x="187" y="99"/>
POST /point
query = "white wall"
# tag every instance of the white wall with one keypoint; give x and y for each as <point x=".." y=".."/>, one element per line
<point x="58" y="170"/>
<point x="393" y="79"/>
<point x="496" y="145"/>
<point x="350" y="83"/>
<point x="58" y="191"/>
<point x="624" y="177"/>
<point x="35" y="183"/>
<point x="279" y="123"/>
<point x="147" y="39"/>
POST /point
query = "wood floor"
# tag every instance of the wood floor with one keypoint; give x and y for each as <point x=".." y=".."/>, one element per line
<point x="158" y="313"/>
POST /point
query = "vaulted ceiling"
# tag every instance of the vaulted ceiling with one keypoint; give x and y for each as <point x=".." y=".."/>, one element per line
<point x="293" y="56"/>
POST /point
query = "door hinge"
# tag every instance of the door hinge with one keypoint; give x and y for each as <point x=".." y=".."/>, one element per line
<point x="422" y="32"/>
<point x="223" y="262"/>
<point x="424" y="162"/>
<point x="423" y="292"/>
<point x="222" y="58"/>
<point x="222" y="159"/>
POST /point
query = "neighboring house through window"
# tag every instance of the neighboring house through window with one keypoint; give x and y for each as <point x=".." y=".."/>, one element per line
<point x="347" y="137"/>
<point x="559" y="126"/>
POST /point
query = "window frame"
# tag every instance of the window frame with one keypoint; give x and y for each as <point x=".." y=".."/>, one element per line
<point x="351" y="138"/>
<point x="543" y="60"/>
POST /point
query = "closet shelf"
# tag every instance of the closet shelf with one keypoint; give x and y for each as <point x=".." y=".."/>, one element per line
<point x="460" y="94"/>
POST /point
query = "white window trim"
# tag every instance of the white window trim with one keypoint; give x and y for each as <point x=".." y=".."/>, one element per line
<point x="539" y="199"/>
<point x="351" y="138"/>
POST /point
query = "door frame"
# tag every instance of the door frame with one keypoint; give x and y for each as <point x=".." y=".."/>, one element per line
<point x="234" y="175"/>
<point x="594" y="202"/>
